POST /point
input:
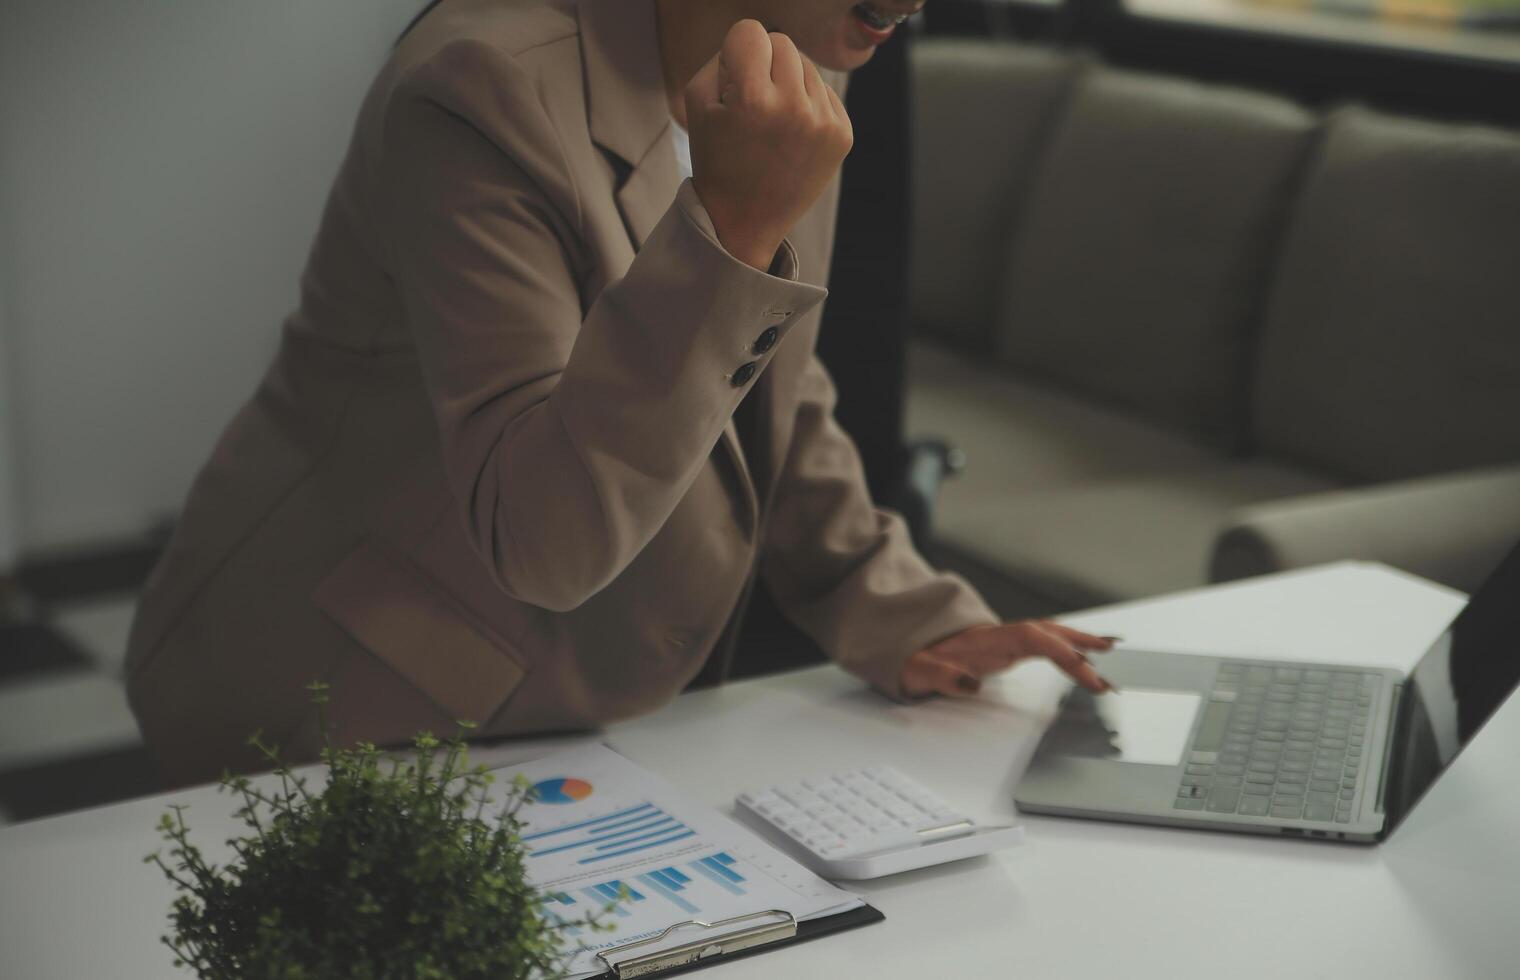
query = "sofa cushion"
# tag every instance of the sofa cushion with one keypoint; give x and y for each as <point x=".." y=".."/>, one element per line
<point x="1144" y="249"/>
<point x="1020" y="435"/>
<point x="1392" y="343"/>
<point x="1124" y="537"/>
<point x="981" y="113"/>
<point x="1080" y="504"/>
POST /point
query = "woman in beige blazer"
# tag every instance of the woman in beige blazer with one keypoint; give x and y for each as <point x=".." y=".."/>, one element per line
<point x="546" y="408"/>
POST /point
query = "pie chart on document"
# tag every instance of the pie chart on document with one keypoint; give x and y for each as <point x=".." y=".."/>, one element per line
<point x="561" y="789"/>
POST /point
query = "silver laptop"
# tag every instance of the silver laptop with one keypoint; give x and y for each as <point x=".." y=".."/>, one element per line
<point x="1295" y="749"/>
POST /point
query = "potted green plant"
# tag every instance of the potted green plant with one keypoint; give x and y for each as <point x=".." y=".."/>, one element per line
<point x="397" y="868"/>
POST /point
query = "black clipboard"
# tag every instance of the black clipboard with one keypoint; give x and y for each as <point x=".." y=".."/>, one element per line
<point x="729" y="939"/>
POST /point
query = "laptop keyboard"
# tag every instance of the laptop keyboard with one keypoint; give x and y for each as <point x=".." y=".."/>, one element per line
<point x="1281" y="742"/>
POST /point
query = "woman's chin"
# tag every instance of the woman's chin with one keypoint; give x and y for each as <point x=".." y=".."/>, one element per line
<point x="846" y="51"/>
<point x="854" y="58"/>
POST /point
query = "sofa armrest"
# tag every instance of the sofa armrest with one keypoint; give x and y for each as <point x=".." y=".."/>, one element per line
<point x="1451" y="529"/>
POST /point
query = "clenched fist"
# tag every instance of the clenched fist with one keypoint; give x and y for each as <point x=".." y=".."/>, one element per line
<point x="767" y="136"/>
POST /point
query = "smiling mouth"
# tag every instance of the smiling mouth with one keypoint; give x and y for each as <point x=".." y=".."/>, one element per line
<point x="877" y="18"/>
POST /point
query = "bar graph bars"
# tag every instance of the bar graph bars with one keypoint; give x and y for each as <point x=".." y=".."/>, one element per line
<point x="555" y="903"/>
<point x="670" y="883"/>
<point x="599" y="896"/>
<point x="669" y="887"/>
<point x="716" y="869"/>
<point x="621" y="832"/>
<point x="673" y="885"/>
<point x="612" y="891"/>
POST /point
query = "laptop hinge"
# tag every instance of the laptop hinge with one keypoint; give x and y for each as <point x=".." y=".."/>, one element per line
<point x="1395" y="719"/>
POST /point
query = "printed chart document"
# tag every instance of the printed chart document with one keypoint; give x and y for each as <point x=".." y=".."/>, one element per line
<point x="602" y="825"/>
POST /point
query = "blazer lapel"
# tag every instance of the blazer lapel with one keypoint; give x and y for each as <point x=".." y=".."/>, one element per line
<point x="647" y="191"/>
<point x="629" y="117"/>
<point x="628" y="114"/>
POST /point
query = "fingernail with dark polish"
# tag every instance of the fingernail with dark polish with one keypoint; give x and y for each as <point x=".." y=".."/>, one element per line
<point x="968" y="683"/>
<point x="1112" y="639"/>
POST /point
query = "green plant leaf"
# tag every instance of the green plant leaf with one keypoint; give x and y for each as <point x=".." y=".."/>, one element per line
<point x="391" y="872"/>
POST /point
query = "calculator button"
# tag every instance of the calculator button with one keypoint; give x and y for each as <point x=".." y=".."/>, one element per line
<point x="1254" y="806"/>
<point x="858" y="813"/>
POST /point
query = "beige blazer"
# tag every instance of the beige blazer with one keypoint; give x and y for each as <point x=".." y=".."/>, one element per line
<point x="492" y="473"/>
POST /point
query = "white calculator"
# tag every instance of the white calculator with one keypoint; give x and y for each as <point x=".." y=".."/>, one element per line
<point x="867" y="823"/>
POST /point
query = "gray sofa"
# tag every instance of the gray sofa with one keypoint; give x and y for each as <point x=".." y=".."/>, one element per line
<point x="1186" y="333"/>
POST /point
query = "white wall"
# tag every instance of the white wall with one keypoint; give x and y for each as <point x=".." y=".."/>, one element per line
<point x="9" y="532"/>
<point x="163" y="164"/>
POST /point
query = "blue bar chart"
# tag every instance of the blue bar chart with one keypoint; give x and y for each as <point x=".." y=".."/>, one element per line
<point x="716" y="869"/>
<point x="674" y="885"/>
<point x="564" y="909"/>
<point x="612" y="835"/>
<point x="560" y="909"/>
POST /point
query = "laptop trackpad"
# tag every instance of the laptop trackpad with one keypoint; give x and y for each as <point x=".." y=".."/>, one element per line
<point x="1136" y="725"/>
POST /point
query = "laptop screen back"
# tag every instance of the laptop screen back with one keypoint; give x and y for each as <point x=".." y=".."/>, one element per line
<point x="1459" y="683"/>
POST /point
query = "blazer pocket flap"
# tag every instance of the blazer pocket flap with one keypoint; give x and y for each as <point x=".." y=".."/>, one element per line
<point x="410" y="623"/>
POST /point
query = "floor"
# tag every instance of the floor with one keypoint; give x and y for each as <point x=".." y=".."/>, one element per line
<point x="67" y="737"/>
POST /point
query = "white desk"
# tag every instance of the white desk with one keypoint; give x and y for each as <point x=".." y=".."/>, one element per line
<point x="1079" y="899"/>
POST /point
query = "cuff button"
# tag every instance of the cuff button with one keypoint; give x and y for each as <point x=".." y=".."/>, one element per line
<point x="766" y="340"/>
<point x="742" y="376"/>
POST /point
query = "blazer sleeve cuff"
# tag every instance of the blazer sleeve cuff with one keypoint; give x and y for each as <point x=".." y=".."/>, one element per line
<point x="784" y="266"/>
<point x="704" y="324"/>
<point x="963" y="609"/>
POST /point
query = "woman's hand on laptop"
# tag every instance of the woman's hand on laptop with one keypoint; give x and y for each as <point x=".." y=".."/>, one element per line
<point x="956" y="665"/>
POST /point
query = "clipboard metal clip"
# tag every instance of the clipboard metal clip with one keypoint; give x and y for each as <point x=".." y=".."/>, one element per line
<point x="778" y="924"/>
